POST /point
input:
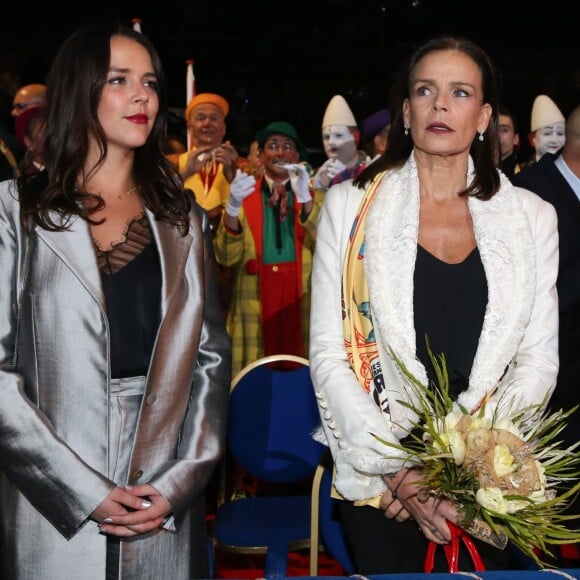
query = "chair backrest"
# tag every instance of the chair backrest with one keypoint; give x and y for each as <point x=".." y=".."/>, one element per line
<point x="272" y="415"/>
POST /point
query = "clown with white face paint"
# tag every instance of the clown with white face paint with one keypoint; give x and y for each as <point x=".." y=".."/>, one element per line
<point x="549" y="139"/>
<point x="339" y="143"/>
<point x="547" y="128"/>
<point x="340" y="136"/>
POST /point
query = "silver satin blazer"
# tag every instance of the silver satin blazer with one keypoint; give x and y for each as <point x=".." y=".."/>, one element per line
<point x="54" y="401"/>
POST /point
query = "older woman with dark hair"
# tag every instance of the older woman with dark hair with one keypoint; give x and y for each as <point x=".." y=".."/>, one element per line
<point x="115" y="361"/>
<point x="429" y="242"/>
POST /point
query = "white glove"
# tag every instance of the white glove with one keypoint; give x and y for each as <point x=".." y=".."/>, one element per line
<point x="299" y="179"/>
<point x="240" y="187"/>
<point x="326" y="173"/>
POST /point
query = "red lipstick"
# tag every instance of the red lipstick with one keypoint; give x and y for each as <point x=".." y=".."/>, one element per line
<point x="140" y="119"/>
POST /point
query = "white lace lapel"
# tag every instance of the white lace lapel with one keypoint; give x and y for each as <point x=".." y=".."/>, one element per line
<point x="506" y="247"/>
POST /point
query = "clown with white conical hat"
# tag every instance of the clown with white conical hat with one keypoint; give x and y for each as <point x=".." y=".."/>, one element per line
<point x="547" y="127"/>
<point x="340" y="136"/>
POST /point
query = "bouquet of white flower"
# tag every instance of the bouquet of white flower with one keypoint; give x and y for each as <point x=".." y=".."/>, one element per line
<point x="508" y="475"/>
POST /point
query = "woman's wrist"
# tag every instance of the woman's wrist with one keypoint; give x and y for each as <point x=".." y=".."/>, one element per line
<point x="395" y="480"/>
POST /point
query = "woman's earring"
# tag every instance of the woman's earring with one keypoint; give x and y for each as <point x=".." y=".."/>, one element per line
<point x="481" y="135"/>
<point x="406" y="130"/>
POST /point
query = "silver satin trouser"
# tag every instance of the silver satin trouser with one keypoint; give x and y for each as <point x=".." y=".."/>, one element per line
<point x="126" y="397"/>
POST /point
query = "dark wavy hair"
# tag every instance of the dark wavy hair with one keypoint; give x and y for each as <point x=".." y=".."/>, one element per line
<point x="74" y="86"/>
<point x="486" y="182"/>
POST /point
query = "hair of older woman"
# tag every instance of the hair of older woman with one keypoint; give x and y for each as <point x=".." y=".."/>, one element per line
<point x="74" y="86"/>
<point x="486" y="181"/>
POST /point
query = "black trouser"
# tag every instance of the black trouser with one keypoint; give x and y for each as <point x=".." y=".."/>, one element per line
<point x="385" y="546"/>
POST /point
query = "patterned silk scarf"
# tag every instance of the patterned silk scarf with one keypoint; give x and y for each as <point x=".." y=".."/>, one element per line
<point x="357" y="324"/>
<point x="359" y="335"/>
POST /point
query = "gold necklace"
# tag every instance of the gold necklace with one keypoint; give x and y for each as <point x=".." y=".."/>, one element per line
<point x="129" y="192"/>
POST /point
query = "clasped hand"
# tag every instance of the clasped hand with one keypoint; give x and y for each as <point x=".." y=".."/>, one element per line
<point x="131" y="511"/>
<point x="405" y="502"/>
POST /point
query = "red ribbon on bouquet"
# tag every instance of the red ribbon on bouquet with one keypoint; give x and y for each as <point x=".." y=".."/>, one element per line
<point x="452" y="551"/>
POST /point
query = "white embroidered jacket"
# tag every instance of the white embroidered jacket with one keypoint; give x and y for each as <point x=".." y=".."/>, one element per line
<point x="516" y="234"/>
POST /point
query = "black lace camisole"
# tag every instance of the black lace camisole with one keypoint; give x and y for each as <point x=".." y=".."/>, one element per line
<point x="131" y="279"/>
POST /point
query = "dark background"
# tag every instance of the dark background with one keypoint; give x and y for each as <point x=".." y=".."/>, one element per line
<point x="285" y="60"/>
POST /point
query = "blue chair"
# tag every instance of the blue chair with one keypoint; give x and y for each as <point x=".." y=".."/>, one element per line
<point x="272" y="414"/>
<point x="326" y="529"/>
